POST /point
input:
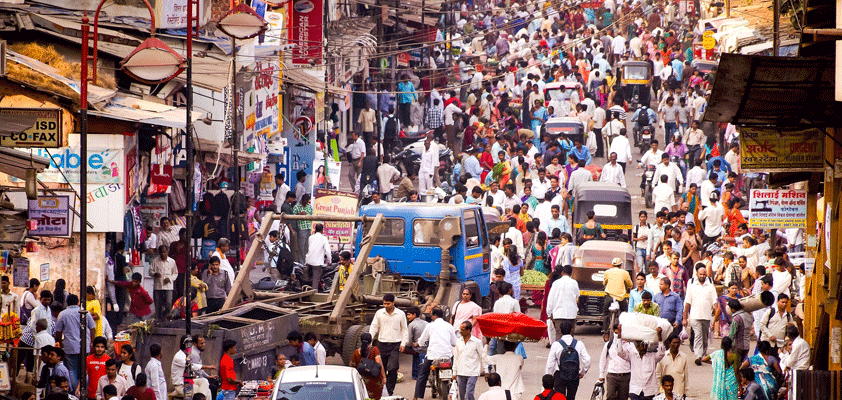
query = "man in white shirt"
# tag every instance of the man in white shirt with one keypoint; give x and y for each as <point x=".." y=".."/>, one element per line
<point x="712" y="216"/>
<point x="280" y="191"/>
<point x="429" y="162"/>
<point x="652" y="156"/>
<point x="643" y="359"/>
<point x="563" y="300"/>
<point x="164" y="271"/>
<point x="356" y="149"/>
<point x="496" y="194"/>
<point x="468" y="360"/>
<point x="495" y="390"/>
<point x="510" y="199"/>
<point x="155" y="372"/>
<point x="168" y="232"/>
<point x="621" y="146"/>
<point x="440" y="338"/>
<point x="698" y="310"/>
<point x="387" y="175"/>
<point x="614" y="370"/>
<point x="774" y="321"/>
<point x="8" y="299"/>
<point x="578" y="176"/>
<point x="567" y="387"/>
<point x="662" y="194"/>
<point x="613" y="172"/>
<point x="675" y="364"/>
<point x="707" y="188"/>
<point x="318" y="255"/>
<point x="451" y="112"/>
<point x="795" y="356"/>
<point x="390" y="330"/>
<point x="555" y="221"/>
<point x="672" y="171"/>
<point x="180" y="361"/>
<point x="696" y="175"/>
<point x="111" y="378"/>
<point x="514" y="234"/>
<point x="506" y="304"/>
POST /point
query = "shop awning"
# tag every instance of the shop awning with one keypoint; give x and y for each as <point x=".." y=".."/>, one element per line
<point x="774" y="91"/>
<point x="15" y="162"/>
<point x="219" y="153"/>
<point x="146" y="112"/>
<point x="299" y="78"/>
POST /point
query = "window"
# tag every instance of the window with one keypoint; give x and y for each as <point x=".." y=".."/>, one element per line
<point x="636" y="72"/>
<point x="471" y="229"/>
<point x="605" y="210"/>
<point x="316" y="390"/>
<point x="392" y="233"/>
<point x="425" y="232"/>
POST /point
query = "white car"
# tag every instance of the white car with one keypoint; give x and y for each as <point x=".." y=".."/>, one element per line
<point x="323" y="382"/>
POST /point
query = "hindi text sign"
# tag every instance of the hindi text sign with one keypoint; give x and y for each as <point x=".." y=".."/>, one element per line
<point x="334" y="202"/>
<point x="773" y="150"/>
<point x="52" y="214"/>
<point x="778" y="209"/>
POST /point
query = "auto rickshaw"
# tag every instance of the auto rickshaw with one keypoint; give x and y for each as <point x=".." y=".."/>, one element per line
<point x="636" y="83"/>
<point x="569" y="127"/>
<point x="590" y="261"/>
<point x="610" y="202"/>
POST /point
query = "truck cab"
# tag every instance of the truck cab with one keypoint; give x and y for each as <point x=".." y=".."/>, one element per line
<point x="417" y="237"/>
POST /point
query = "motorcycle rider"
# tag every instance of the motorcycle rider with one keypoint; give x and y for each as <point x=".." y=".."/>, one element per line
<point x="644" y="116"/>
<point x="671" y="170"/>
<point x="650" y="158"/>
<point x="440" y="338"/>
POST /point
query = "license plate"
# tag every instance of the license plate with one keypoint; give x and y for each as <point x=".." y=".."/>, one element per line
<point x="445" y="373"/>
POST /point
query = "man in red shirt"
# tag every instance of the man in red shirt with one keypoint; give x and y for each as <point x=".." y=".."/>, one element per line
<point x="549" y="394"/>
<point x="228" y="383"/>
<point x="139" y="309"/>
<point x="96" y="366"/>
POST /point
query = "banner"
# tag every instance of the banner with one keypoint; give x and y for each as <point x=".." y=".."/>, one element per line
<point x="260" y="107"/>
<point x="778" y="209"/>
<point x="773" y="150"/>
<point x="333" y="175"/>
<point x="103" y="165"/>
<point x="52" y="214"/>
<point x="305" y="31"/>
<point x="172" y="14"/>
<point x="334" y="202"/>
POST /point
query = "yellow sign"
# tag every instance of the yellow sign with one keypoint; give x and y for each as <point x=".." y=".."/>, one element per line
<point x="708" y="41"/>
<point x="319" y="108"/>
<point x="45" y="132"/>
<point x="778" y="150"/>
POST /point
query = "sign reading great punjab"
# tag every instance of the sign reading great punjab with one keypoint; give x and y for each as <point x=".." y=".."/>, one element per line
<point x="333" y="202"/>
<point x="777" y="150"/>
<point x="779" y="209"/>
<point x="45" y="131"/>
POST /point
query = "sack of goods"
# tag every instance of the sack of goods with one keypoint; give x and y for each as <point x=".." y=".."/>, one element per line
<point x="644" y="327"/>
<point x="515" y="327"/>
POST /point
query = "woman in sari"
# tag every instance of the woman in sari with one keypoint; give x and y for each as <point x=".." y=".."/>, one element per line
<point x="765" y="367"/>
<point x="513" y="265"/>
<point x="539" y="253"/>
<point x="374" y="384"/>
<point x="602" y="93"/>
<point x="725" y="366"/>
<point x="734" y="216"/>
<point x="486" y="161"/>
<point x="721" y="318"/>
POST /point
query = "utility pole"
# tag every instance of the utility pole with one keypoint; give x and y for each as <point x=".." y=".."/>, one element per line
<point x="776" y="27"/>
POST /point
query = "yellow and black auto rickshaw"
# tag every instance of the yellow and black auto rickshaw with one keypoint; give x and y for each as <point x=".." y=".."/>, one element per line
<point x="590" y="261"/>
<point x="636" y="83"/>
<point x="611" y="204"/>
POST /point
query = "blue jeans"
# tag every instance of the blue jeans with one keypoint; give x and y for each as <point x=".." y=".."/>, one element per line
<point x="640" y="258"/>
<point x="226" y="395"/>
<point x="72" y="363"/>
<point x="416" y="364"/>
<point x="669" y="129"/>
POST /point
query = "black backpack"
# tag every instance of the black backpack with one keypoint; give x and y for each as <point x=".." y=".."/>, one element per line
<point x="568" y="362"/>
<point x="391" y="129"/>
<point x="643" y="118"/>
<point x="368" y="368"/>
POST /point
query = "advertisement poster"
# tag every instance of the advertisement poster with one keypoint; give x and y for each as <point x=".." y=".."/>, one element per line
<point x="334" y="202"/>
<point x="300" y="151"/>
<point x="21" y="275"/>
<point x="260" y="104"/>
<point x="103" y="165"/>
<point x="52" y="214"/>
<point x="778" y="209"/>
<point x="772" y="150"/>
<point x="329" y="179"/>
<point x="305" y="31"/>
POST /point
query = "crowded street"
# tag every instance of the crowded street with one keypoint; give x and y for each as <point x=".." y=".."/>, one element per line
<point x="459" y="200"/>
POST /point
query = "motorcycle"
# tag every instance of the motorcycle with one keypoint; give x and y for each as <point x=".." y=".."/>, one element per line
<point x="644" y="137"/>
<point x="441" y="376"/>
<point x="302" y="276"/>
<point x="648" y="177"/>
<point x="410" y="157"/>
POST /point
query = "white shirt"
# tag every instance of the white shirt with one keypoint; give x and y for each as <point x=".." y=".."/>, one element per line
<point x="168" y="272"/>
<point x="663" y="196"/>
<point x="44" y="338"/>
<point x="598" y="118"/>
<point x="712" y="217"/>
<point x="156" y="380"/>
<point x="578" y="176"/>
<point x="618" y="44"/>
<point x="429" y="159"/>
<point x="510" y="367"/>
<point x="494" y="393"/>
<point x="225" y="267"/>
<point x="451" y="109"/>
<point x="517" y="238"/>
<point x="781" y="281"/>
<point x="651" y="158"/>
<point x="280" y="196"/>
<point x="701" y="298"/>
<point x="653" y="284"/>
<point x="321" y="353"/>
<point x="441" y="338"/>
<point x="665" y="73"/>
<point x="506" y="304"/>
<point x="510" y="202"/>
<point x="179" y="361"/>
<point x="10" y="301"/>
<point x="705" y="189"/>
<point x="357" y="148"/>
<point x="498" y="198"/>
<point x="562" y="301"/>
<point x="613" y="173"/>
<point x="319" y="249"/>
<point x="621" y="146"/>
<point x="672" y="172"/>
<point x="798" y="358"/>
<point x="390" y="328"/>
<point x="169" y="236"/>
<point x="555" y="353"/>
<point x="643" y="370"/>
<point x="697" y="175"/>
<point x="610" y="362"/>
<point x="468" y="357"/>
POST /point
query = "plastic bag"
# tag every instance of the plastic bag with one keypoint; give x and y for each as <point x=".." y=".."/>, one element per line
<point x="591" y="143"/>
<point x="643" y="327"/>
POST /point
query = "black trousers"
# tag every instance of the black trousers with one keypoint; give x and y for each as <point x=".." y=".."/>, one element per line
<point x="215" y="304"/>
<point x="316" y="274"/>
<point x="600" y="146"/>
<point x="567" y="388"/>
<point x="403" y="113"/>
<point x="389" y="354"/>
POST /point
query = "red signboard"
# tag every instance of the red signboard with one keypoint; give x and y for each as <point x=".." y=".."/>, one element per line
<point x="591" y="4"/>
<point x="305" y="31"/>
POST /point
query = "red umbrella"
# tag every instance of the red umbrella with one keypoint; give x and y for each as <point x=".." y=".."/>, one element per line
<point x="515" y="327"/>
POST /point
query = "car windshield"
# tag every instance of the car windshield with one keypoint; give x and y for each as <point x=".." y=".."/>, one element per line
<point x="636" y="72"/>
<point x="316" y="390"/>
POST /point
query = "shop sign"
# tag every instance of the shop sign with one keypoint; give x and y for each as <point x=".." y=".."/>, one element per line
<point x="305" y="31"/>
<point x="161" y="174"/>
<point x="777" y="209"/>
<point x="403" y="59"/>
<point x="326" y="179"/>
<point x="46" y="132"/>
<point x="776" y="150"/>
<point x="45" y="272"/>
<point x="21" y="272"/>
<point x="260" y="101"/>
<point x="52" y="214"/>
<point x="172" y="14"/>
<point x="708" y="41"/>
<point x="334" y="202"/>
<point x="591" y="4"/>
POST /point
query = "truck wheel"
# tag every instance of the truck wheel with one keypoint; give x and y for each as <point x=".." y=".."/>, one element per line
<point x="351" y="342"/>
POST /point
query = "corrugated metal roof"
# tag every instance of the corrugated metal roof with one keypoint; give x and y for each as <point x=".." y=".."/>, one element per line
<point x="774" y="91"/>
<point x="146" y="112"/>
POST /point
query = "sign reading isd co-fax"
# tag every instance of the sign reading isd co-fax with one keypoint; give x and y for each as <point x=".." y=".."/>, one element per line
<point x="45" y="132"/>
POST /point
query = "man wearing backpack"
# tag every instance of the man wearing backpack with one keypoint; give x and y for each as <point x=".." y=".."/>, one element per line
<point x="774" y="322"/>
<point x="391" y="127"/>
<point x="568" y="361"/>
<point x="548" y="393"/>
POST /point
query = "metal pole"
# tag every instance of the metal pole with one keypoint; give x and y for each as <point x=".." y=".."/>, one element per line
<point x="235" y="138"/>
<point x="776" y="27"/>
<point x="83" y="207"/>
<point x="188" y="130"/>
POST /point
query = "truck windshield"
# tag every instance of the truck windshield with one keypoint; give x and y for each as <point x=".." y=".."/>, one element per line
<point x="392" y="234"/>
<point x="316" y="390"/>
<point x="425" y="232"/>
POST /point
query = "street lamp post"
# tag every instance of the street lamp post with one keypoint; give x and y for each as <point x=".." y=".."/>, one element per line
<point x="152" y="62"/>
<point x="240" y="22"/>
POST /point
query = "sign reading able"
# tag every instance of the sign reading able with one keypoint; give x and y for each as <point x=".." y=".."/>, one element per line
<point x="45" y="132"/>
